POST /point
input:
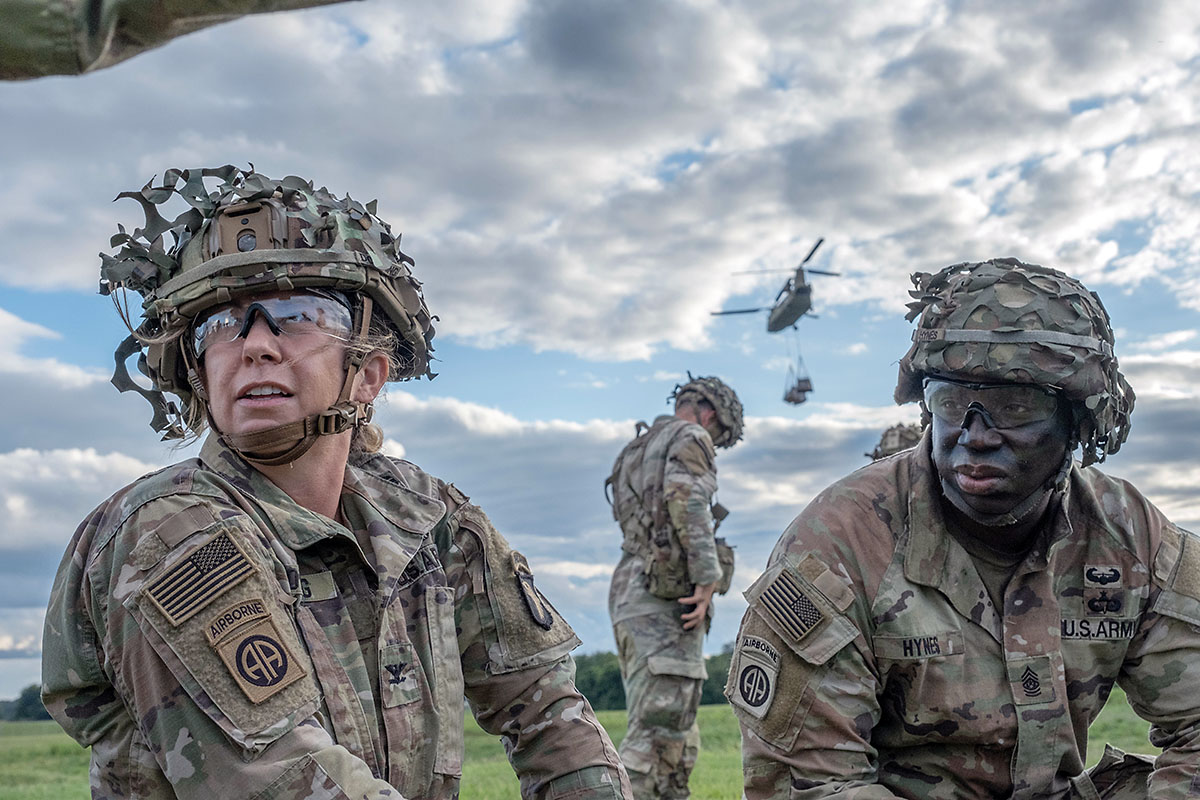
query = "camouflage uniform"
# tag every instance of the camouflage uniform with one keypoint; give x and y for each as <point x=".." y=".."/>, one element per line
<point x="872" y="663"/>
<point x="662" y="665"/>
<point x="889" y="651"/>
<point x="209" y="637"/>
<point x="66" y="37"/>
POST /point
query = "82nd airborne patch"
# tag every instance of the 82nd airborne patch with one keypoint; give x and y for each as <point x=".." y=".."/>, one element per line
<point x="246" y="639"/>
<point x="757" y="676"/>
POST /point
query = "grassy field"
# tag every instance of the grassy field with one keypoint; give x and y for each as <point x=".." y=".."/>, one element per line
<point x="38" y="761"/>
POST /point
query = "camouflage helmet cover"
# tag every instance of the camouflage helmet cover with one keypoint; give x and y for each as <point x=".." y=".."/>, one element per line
<point x="252" y="234"/>
<point x="895" y="439"/>
<point x="722" y="398"/>
<point x="1004" y="320"/>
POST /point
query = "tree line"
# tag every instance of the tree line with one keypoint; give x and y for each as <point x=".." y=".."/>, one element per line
<point x="598" y="677"/>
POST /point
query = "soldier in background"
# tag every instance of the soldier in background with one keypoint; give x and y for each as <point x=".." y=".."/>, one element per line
<point x="900" y="436"/>
<point x="948" y="622"/>
<point x="293" y="614"/>
<point x="662" y="485"/>
<point x="68" y="37"/>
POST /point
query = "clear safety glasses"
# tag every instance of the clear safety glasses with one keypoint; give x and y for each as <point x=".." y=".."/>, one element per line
<point x="1002" y="405"/>
<point x="291" y="315"/>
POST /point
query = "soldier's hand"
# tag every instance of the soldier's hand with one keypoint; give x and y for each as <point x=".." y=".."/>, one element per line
<point x="700" y="599"/>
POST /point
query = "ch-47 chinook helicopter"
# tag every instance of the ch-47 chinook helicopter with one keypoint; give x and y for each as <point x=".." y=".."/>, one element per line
<point x="793" y="301"/>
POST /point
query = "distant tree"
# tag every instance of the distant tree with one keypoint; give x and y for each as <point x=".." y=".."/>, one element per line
<point x="598" y="677"/>
<point x="29" y="704"/>
<point x="713" y="691"/>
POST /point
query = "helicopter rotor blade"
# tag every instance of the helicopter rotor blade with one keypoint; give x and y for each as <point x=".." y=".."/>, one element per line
<point x="811" y="252"/>
<point x="760" y="271"/>
<point x="737" y="311"/>
<point x="821" y="272"/>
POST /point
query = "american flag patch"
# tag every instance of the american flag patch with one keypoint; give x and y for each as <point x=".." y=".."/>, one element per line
<point x="789" y="606"/>
<point x="200" y="578"/>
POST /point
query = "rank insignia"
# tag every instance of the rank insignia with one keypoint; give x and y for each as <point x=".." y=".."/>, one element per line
<point x="197" y="580"/>
<point x="757" y="676"/>
<point x="1101" y="576"/>
<point x="538" y="607"/>
<point x="790" y="607"/>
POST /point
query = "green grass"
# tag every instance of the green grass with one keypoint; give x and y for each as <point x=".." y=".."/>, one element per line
<point x="39" y="762"/>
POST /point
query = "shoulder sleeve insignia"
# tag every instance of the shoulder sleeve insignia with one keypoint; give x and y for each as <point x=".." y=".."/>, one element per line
<point x="245" y="637"/>
<point x="757" y="675"/>
<point x="197" y="580"/>
<point x="539" y="609"/>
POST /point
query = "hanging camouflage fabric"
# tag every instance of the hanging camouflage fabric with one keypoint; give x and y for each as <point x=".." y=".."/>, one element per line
<point x="251" y="235"/>
<point x="1003" y="320"/>
<point x="895" y="439"/>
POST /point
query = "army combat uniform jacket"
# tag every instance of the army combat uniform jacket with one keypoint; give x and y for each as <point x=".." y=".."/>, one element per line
<point x="208" y="637"/>
<point x="871" y="662"/>
<point x="678" y="471"/>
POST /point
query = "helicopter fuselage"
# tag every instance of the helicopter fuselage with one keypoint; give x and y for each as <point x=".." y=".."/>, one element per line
<point x="794" y="302"/>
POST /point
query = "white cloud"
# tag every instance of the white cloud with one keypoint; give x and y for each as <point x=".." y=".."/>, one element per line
<point x="15" y="332"/>
<point x="47" y="493"/>
<point x="1167" y="341"/>
<point x="591" y="173"/>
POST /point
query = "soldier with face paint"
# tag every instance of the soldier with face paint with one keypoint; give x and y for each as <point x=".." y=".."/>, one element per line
<point x="293" y="614"/>
<point x="949" y="621"/>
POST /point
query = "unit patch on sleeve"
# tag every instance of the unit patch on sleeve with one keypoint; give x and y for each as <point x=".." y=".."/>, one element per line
<point x="202" y="577"/>
<point x="757" y="675"/>
<point x="539" y="609"/>
<point x="790" y="607"/>
<point x="245" y="637"/>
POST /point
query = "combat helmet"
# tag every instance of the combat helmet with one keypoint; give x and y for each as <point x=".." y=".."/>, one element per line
<point x="723" y="399"/>
<point x="1004" y="320"/>
<point x="895" y="439"/>
<point x="253" y="234"/>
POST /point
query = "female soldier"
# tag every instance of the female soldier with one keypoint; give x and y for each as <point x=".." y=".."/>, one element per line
<point x="292" y="614"/>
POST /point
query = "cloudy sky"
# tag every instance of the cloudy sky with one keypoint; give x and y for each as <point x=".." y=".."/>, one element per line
<point x="578" y="182"/>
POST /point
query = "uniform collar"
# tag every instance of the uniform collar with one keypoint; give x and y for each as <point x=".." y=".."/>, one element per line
<point x="933" y="558"/>
<point x="292" y="524"/>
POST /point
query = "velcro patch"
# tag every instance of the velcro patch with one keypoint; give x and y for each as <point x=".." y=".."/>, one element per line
<point x="788" y="605"/>
<point x="757" y="676"/>
<point x="202" y="577"/>
<point x="237" y="614"/>
<point x="1102" y="575"/>
<point x="539" y="609"/>
<point x="318" y="586"/>
<point x="1031" y="680"/>
<point x="259" y="661"/>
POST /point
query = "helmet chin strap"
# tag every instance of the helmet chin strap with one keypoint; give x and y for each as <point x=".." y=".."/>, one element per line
<point x="286" y="443"/>
<point x="1022" y="510"/>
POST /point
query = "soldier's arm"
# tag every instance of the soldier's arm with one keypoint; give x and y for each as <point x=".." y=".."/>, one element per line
<point x="518" y="673"/>
<point x="162" y="709"/>
<point x="689" y="482"/>
<point x="1162" y="666"/>
<point x="65" y="37"/>
<point x="802" y="681"/>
